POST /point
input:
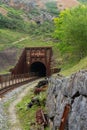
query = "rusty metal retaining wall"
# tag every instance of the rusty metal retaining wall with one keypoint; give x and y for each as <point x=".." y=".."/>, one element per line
<point x="10" y="80"/>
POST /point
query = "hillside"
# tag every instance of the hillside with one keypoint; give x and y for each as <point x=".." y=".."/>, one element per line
<point x="34" y="9"/>
<point x="82" y="64"/>
<point x="29" y="3"/>
<point x="63" y="4"/>
<point x="12" y="44"/>
<point x="21" y="28"/>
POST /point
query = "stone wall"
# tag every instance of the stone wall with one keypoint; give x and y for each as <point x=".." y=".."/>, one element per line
<point x="68" y="90"/>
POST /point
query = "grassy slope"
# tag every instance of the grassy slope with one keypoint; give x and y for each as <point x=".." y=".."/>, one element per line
<point x="7" y="37"/>
<point x="82" y="64"/>
<point x="10" y="9"/>
<point x="29" y="42"/>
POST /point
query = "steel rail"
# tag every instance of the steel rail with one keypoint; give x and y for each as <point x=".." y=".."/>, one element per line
<point x="14" y="82"/>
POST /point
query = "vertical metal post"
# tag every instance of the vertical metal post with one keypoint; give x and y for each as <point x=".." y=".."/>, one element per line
<point x="64" y="117"/>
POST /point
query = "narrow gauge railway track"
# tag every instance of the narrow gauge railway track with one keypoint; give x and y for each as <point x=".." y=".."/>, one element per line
<point x="12" y="82"/>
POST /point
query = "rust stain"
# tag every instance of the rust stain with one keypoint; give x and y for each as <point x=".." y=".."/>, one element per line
<point x="64" y="117"/>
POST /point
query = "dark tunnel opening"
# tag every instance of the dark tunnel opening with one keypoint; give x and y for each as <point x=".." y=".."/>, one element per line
<point x="38" y="68"/>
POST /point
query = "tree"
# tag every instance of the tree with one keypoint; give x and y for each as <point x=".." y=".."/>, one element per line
<point x="71" y="29"/>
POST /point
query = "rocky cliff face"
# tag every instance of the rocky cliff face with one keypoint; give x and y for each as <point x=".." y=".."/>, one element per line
<point x="8" y="58"/>
<point x="70" y="91"/>
<point x="35" y="9"/>
<point x="26" y="4"/>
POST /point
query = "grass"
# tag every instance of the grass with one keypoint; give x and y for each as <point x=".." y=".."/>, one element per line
<point x="12" y="10"/>
<point x="52" y="8"/>
<point x="82" y="64"/>
<point x="7" y="37"/>
<point x="6" y="70"/>
<point x="27" y="116"/>
<point x="14" y="39"/>
<point x="29" y="42"/>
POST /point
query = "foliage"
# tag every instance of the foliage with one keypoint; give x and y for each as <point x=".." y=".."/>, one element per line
<point x="83" y="1"/>
<point x="82" y="64"/>
<point x="16" y="20"/>
<point x="27" y="116"/>
<point x="8" y="37"/>
<point x="71" y="29"/>
<point x="13" y="22"/>
<point x="52" y="8"/>
<point x="19" y="40"/>
<point x="45" y="29"/>
<point x="34" y="12"/>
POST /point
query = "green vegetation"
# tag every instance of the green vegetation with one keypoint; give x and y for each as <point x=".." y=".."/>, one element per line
<point x="52" y="8"/>
<point x="14" y="22"/>
<point x="82" y="64"/>
<point x="10" y="38"/>
<point x="27" y="116"/>
<point x="6" y="70"/>
<point x="70" y="52"/>
<point x="7" y="37"/>
<point x="13" y="19"/>
<point x="15" y="32"/>
<point x="33" y="12"/>
<point x="29" y="42"/>
<point x="71" y="30"/>
<point x="11" y="10"/>
<point x="45" y="29"/>
<point x="83" y="1"/>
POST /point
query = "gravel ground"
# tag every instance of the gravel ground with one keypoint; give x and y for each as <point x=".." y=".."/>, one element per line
<point x="7" y="103"/>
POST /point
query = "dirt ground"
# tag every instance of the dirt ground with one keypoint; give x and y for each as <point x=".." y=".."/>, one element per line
<point x="15" y="124"/>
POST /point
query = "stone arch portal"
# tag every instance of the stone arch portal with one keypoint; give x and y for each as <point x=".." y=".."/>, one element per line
<point x="34" y="59"/>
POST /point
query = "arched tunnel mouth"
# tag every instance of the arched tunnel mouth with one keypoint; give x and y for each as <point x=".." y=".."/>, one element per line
<point x="38" y="68"/>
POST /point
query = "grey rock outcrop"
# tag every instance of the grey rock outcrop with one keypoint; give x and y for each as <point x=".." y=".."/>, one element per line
<point x="68" y="90"/>
<point x="33" y="9"/>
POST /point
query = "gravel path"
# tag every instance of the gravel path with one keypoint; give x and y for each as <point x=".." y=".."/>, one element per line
<point x="8" y="117"/>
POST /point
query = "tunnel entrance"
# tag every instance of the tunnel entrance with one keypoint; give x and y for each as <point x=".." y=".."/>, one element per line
<point x="34" y="59"/>
<point x="38" y="68"/>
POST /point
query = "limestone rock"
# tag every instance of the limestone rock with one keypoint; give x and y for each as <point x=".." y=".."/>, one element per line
<point x="78" y="116"/>
<point x="68" y="90"/>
